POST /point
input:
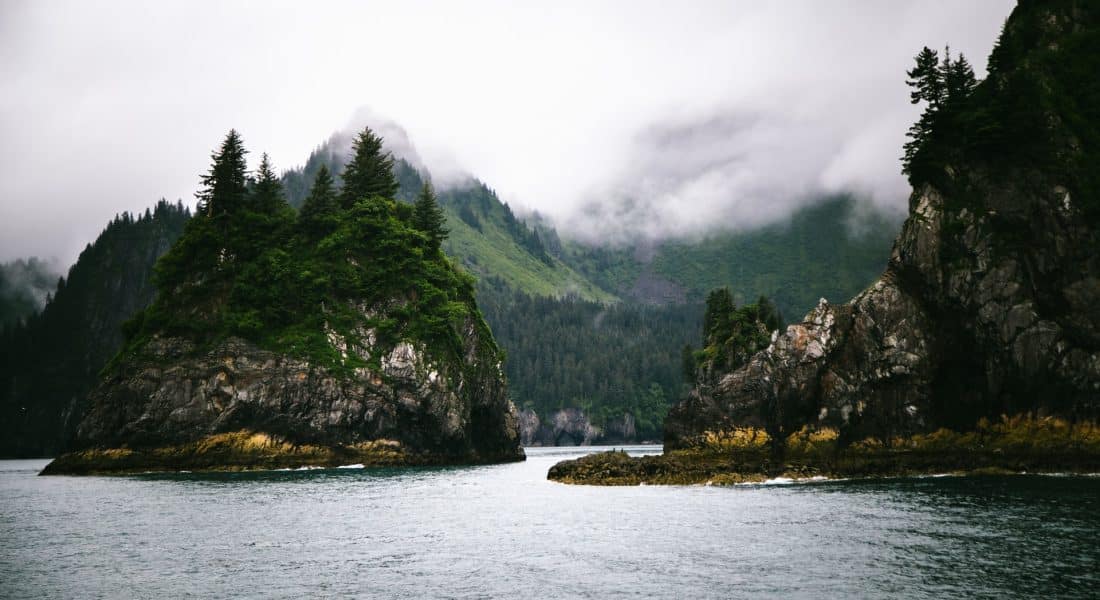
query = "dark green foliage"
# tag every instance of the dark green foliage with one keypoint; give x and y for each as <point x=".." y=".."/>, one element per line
<point x="466" y="213"/>
<point x="926" y="79"/>
<point x="287" y="285"/>
<point x="944" y="87"/>
<point x="716" y="318"/>
<point x="297" y="183"/>
<point x="827" y="251"/>
<point x="606" y="360"/>
<point x="1037" y="111"/>
<point x="225" y="186"/>
<point x="687" y="362"/>
<point x="428" y="217"/>
<point x="731" y="334"/>
<point x="220" y="250"/>
<point x="49" y="362"/>
<point x="266" y="195"/>
<point x="369" y="173"/>
<point x="320" y="214"/>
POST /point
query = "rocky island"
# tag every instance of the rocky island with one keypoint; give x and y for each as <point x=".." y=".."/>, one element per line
<point x="979" y="347"/>
<point x="338" y="335"/>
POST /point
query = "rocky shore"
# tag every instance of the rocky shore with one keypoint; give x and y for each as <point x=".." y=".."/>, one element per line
<point x="1020" y="445"/>
<point x="237" y="406"/>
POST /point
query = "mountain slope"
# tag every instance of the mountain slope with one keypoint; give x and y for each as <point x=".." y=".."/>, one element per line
<point x="55" y="356"/>
<point x="485" y="235"/>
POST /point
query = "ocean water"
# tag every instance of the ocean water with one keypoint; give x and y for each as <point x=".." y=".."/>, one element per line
<point x="505" y="532"/>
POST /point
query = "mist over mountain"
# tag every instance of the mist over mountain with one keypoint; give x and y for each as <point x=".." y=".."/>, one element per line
<point x="25" y="285"/>
<point x="660" y="122"/>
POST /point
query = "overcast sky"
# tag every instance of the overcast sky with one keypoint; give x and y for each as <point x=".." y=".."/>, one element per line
<point x="672" y="117"/>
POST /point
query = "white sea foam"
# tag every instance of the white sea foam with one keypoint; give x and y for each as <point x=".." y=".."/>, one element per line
<point x="355" y="466"/>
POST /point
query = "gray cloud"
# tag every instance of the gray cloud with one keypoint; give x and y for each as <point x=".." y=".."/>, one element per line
<point x="670" y="119"/>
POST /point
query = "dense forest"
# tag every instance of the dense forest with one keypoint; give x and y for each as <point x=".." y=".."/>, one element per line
<point x="54" y="356"/>
<point x="352" y="263"/>
<point x="604" y="359"/>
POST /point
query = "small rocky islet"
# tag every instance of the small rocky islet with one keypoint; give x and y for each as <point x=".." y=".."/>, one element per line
<point x="338" y="335"/>
<point x="978" y="350"/>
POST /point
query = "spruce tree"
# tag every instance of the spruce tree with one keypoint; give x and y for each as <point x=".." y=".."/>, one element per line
<point x="926" y="79"/>
<point x="320" y="211"/>
<point x="369" y="173"/>
<point x="267" y="192"/>
<point x="429" y="218"/>
<point x="958" y="78"/>
<point x="225" y="187"/>
<point x="717" y="320"/>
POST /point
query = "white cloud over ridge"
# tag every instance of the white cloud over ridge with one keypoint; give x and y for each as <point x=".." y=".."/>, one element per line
<point x="610" y="117"/>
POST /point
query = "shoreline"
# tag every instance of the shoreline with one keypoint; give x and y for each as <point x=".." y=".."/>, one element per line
<point x="678" y="467"/>
<point x="1020" y="444"/>
<point x="242" y="451"/>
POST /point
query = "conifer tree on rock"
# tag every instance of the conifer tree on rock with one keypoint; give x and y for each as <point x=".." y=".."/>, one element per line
<point x="321" y="210"/>
<point x="267" y="192"/>
<point x="429" y="218"/>
<point x="204" y="251"/>
<point x="369" y="174"/>
<point x="225" y="186"/>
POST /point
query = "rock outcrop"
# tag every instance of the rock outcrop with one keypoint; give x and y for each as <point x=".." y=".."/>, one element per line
<point x="572" y="427"/>
<point x="990" y="303"/>
<point x="431" y="412"/>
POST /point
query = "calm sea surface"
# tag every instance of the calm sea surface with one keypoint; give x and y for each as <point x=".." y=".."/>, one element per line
<point x="504" y="531"/>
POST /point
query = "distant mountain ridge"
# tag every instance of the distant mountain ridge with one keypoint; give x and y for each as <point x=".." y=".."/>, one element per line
<point x="539" y="288"/>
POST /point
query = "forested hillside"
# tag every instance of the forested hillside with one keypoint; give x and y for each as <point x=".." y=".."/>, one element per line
<point x="55" y="356"/>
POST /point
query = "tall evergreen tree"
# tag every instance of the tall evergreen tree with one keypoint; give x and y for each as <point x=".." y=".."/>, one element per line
<point x="926" y="79"/>
<point x="369" y="173"/>
<point x="943" y="86"/>
<point x="428" y="216"/>
<point x="320" y="211"/>
<point x="958" y="78"/>
<point x="717" y="317"/>
<point x="267" y="192"/>
<point x="225" y="186"/>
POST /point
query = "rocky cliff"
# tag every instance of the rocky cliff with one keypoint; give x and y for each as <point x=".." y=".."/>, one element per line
<point x="415" y="409"/>
<point x="340" y="334"/>
<point x="990" y="303"/>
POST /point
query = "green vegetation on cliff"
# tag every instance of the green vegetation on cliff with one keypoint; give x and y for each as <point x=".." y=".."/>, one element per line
<point x="1042" y="96"/>
<point x="351" y="264"/>
<point x="731" y="334"/>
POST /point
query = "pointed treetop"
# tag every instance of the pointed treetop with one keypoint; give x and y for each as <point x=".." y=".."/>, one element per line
<point x="321" y="210"/>
<point x="369" y="173"/>
<point x="926" y="79"/>
<point x="267" y="191"/>
<point x="428" y="216"/>
<point x="225" y="185"/>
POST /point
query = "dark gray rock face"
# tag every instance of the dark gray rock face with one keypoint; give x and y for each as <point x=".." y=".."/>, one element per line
<point x="172" y="395"/>
<point x="943" y="338"/>
<point x="989" y="305"/>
